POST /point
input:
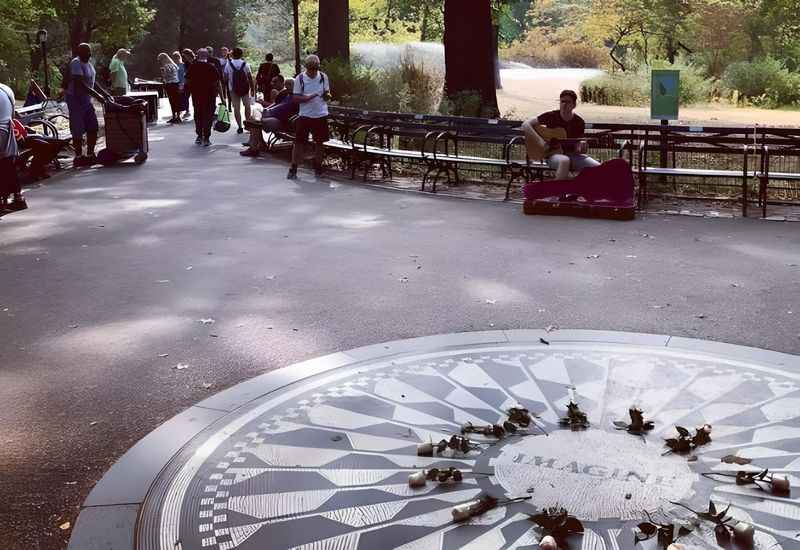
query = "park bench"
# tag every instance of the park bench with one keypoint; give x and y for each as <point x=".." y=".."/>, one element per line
<point x="780" y="151"/>
<point x="718" y="143"/>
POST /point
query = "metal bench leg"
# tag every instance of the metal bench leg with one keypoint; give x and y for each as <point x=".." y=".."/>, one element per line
<point x="744" y="197"/>
<point x="763" y="182"/>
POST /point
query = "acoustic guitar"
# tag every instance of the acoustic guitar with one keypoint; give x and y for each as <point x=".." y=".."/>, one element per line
<point x="554" y="138"/>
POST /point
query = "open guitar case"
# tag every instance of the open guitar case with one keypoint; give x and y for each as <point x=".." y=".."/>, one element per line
<point x="604" y="191"/>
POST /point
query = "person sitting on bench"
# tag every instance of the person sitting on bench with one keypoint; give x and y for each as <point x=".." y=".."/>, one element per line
<point x="571" y="155"/>
<point x="43" y="149"/>
<point x="274" y="117"/>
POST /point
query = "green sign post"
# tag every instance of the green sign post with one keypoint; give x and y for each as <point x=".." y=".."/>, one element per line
<point x="664" y="94"/>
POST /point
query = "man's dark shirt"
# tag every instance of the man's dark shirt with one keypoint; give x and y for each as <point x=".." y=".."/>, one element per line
<point x="575" y="128"/>
<point x="217" y="64"/>
<point x="203" y="79"/>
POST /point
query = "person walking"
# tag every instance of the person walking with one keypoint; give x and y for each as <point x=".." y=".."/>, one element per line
<point x="216" y="62"/>
<point x="169" y="74"/>
<point x="9" y="183"/>
<point x="239" y="79"/>
<point x="82" y="117"/>
<point x="312" y="90"/>
<point x="188" y="58"/>
<point x="119" y="74"/>
<point x="204" y="84"/>
<point x="183" y="104"/>
<point x="266" y="72"/>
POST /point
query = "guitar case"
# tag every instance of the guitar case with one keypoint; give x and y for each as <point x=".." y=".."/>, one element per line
<point x="604" y="191"/>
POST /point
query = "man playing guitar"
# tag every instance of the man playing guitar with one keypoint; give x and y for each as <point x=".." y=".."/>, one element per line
<point x="565" y="155"/>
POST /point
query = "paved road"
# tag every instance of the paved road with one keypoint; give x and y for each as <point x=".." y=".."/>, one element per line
<point x="112" y="268"/>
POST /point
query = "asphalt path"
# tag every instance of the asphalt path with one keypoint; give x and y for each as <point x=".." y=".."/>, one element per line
<point x="217" y="263"/>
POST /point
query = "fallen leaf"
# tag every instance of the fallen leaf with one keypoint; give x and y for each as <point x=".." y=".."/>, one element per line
<point x="64" y="526"/>
<point x="206" y="385"/>
<point x="701" y="316"/>
<point x="541" y="310"/>
<point x="296" y="329"/>
<point x="181" y="366"/>
<point x="93" y="423"/>
<point x="612" y="240"/>
<point x="733" y="459"/>
<point x="592" y="256"/>
<point x="189" y="268"/>
<point x="630" y="256"/>
<point x="491" y="301"/>
<point x="71" y="483"/>
<point x="163" y="355"/>
<point x="403" y="279"/>
<point x="214" y="335"/>
<point x="270" y="277"/>
<point x="207" y="321"/>
<point x="162" y="281"/>
<point x="73" y="326"/>
<point x="735" y="285"/>
<point x="543" y="341"/>
<point x="550" y="328"/>
<point x="692" y="458"/>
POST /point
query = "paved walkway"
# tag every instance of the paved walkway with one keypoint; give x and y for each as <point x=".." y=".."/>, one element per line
<point x="133" y="292"/>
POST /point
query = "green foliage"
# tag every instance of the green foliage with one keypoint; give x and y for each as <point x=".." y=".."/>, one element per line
<point x="764" y="81"/>
<point x="16" y="18"/>
<point x="633" y="88"/>
<point x="465" y="103"/>
<point x="538" y="51"/>
<point x="408" y="87"/>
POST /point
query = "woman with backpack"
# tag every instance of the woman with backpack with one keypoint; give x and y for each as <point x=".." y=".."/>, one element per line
<point x="240" y="86"/>
<point x="169" y="74"/>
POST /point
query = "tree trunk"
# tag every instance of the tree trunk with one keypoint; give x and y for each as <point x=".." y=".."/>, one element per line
<point x="296" y="24"/>
<point x="424" y="33"/>
<point x="498" y="85"/>
<point x="468" y="57"/>
<point x="334" y="30"/>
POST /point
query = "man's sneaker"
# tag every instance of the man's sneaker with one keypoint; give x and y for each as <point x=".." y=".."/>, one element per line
<point x="206" y="142"/>
<point x="249" y="152"/>
<point x="292" y="175"/>
<point x="240" y="130"/>
<point x="199" y="140"/>
<point x="17" y="204"/>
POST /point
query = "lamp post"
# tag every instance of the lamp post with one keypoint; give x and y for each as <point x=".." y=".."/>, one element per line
<point x="41" y="38"/>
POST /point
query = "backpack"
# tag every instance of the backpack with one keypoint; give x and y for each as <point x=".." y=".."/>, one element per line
<point x="303" y="84"/>
<point x="241" y="84"/>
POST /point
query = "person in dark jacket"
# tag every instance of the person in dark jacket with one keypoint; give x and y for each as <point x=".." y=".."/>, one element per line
<point x="274" y="117"/>
<point x="204" y="84"/>
<point x="266" y="72"/>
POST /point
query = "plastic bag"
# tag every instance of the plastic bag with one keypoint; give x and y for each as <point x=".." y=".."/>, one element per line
<point x="223" y="123"/>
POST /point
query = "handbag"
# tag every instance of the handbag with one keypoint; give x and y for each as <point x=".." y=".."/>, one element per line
<point x="223" y="123"/>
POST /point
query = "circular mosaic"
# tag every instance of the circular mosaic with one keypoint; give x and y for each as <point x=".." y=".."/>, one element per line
<point x="324" y="463"/>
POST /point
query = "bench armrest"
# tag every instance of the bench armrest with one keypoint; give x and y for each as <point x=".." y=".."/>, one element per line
<point x="446" y="136"/>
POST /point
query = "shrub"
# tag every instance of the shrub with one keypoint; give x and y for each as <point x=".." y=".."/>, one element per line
<point x="537" y="50"/>
<point x="764" y="81"/>
<point x="407" y="87"/>
<point x="633" y="88"/>
<point x="579" y="55"/>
